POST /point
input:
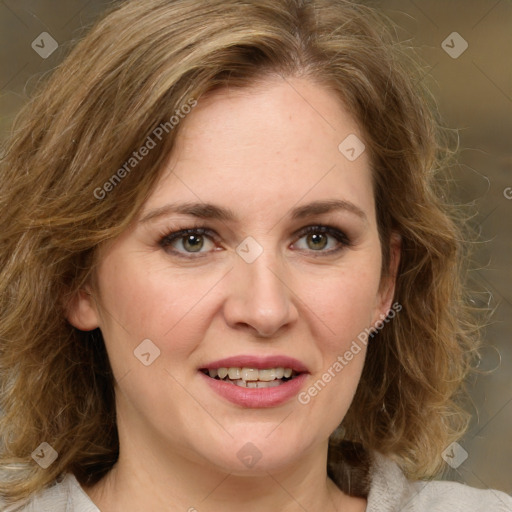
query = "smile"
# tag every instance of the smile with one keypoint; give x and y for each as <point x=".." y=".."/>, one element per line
<point x="252" y="377"/>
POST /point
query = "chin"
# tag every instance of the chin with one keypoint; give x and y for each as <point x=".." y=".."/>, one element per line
<point x="256" y="453"/>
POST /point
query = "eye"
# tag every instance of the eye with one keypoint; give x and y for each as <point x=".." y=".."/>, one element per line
<point x="318" y="238"/>
<point x="198" y="241"/>
<point x="189" y="241"/>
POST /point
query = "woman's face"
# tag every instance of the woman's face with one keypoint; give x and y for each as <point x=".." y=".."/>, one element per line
<point x="253" y="171"/>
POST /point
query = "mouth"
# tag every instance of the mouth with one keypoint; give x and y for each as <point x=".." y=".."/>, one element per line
<point x="255" y="381"/>
<point x="247" y="377"/>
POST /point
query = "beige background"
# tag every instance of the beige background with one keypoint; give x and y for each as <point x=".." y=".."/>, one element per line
<point x="474" y="92"/>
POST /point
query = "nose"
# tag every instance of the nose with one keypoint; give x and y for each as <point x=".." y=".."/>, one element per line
<point x="260" y="300"/>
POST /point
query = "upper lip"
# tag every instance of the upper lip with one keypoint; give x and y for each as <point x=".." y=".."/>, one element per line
<point x="259" y="362"/>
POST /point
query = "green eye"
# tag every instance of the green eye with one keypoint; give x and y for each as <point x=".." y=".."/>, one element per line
<point x="188" y="241"/>
<point x="317" y="238"/>
<point x="323" y="240"/>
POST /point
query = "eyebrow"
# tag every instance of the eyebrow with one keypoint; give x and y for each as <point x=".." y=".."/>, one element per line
<point x="211" y="211"/>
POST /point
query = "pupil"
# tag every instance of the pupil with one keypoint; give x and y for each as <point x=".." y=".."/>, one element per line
<point x="189" y="243"/>
<point x="318" y="238"/>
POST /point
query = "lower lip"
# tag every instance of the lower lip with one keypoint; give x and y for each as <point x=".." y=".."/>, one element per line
<point x="256" y="397"/>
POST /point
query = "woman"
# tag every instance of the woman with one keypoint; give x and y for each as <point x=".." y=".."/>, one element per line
<point x="228" y="275"/>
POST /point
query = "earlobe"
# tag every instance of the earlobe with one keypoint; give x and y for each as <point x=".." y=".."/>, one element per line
<point x="81" y="311"/>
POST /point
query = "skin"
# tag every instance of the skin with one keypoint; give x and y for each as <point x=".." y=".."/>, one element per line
<point x="259" y="151"/>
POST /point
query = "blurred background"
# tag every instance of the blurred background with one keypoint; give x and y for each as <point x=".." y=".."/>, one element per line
<point x="465" y="47"/>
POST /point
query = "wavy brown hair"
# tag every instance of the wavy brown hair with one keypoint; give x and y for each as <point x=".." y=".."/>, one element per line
<point x="137" y="67"/>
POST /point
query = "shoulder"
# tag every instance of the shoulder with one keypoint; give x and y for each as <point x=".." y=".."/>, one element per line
<point x="390" y="490"/>
<point x="65" y="495"/>
<point x="454" y="496"/>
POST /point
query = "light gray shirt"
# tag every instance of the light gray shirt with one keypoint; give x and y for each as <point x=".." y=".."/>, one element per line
<point x="390" y="491"/>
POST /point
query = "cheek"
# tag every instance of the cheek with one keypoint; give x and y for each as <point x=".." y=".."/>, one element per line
<point x="341" y="315"/>
<point x="343" y="304"/>
<point x="142" y="301"/>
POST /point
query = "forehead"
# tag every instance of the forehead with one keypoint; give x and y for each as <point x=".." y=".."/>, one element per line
<point x="271" y="144"/>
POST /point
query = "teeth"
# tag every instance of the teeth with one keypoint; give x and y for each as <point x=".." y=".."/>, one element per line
<point x="234" y="373"/>
<point x="258" y="384"/>
<point x="267" y="375"/>
<point x="271" y="384"/>
<point x="251" y="375"/>
<point x="222" y="372"/>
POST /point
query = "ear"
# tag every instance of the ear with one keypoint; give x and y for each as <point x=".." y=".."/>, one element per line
<point x="81" y="310"/>
<point x="388" y="281"/>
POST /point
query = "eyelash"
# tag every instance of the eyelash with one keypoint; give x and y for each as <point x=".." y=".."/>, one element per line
<point x="167" y="240"/>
